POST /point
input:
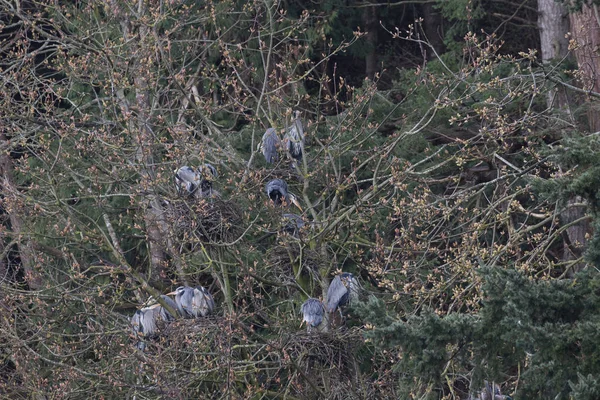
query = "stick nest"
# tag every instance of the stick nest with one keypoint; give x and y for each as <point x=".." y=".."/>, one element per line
<point x="195" y="330"/>
<point x="283" y="261"/>
<point x="327" y="349"/>
<point x="328" y="360"/>
<point x="205" y="220"/>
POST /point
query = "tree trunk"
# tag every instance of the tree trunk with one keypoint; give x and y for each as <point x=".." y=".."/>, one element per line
<point x="586" y="31"/>
<point x="553" y="22"/>
<point x="554" y="25"/>
<point x="141" y="130"/>
<point x="432" y="25"/>
<point x="577" y="234"/>
<point x="15" y="209"/>
<point x="370" y="19"/>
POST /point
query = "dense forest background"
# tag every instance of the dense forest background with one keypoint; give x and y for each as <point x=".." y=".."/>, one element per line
<point x="452" y="164"/>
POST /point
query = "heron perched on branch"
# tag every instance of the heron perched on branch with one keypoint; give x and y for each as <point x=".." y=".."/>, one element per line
<point x="197" y="183"/>
<point x="193" y="302"/>
<point x="312" y="311"/>
<point x="144" y="321"/>
<point x="294" y="138"/>
<point x="491" y="391"/>
<point x="270" y="146"/>
<point x="277" y="190"/>
<point x="342" y="291"/>
<point x="292" y="224"/>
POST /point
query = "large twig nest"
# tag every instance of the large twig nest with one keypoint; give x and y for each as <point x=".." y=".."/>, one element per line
<point x="192" y="358"/>
<point x="204" y="357"/>
<point x="196" y="330"/>
<point x="327" y="349"/>
<point x="283" y="171"/>
<point x="327" y="360"/>
<point x="283" y="261"/>
<point x="205" y="220"/>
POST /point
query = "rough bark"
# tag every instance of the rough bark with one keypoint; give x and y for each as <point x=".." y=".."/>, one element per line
<point x="586" y="32"/>
<point x="553" y="23"/>
<point x="585" y="27"/>
<point x="370" y="19"/>
<point x="433" y="27"/>
<point x="14" y="208"/>
<point x="145" y="158"/>
<point x="577" y="234"/>
<point x="140" y="127"/>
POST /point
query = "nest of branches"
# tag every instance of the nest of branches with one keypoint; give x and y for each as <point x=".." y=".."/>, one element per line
<point x="289" y="260"/>
<point x="185" y="332"/>
<point x="205" y="220"/>
<point x="197" y="357"/>
<point x="282" y="170"/>
<point x="326" y="360"/>
<point x="188" y="359"/>
<point x="329" y="349"/>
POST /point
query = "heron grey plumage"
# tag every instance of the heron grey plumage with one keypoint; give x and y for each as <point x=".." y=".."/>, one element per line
<point x="312" y="313"/>
<point x="163" y="313"/>
<point x="186" y="179"/>
<point x="193" y="302"/>
<point x="293" y="223"/>
<point x="270" y="146"/>
<point x="342" y="291"/>
<point x="491" y="391"/>
<point x="294" y="137"/>
<point x="144" y="321"/>
<point x="277" y="190"/>
<point x="197" y="183"/>
<point x="143" y="325"/>
<point x="208" y="174"/>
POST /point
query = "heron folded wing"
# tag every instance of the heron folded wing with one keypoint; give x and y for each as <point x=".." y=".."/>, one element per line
<point x="335" y="294"/>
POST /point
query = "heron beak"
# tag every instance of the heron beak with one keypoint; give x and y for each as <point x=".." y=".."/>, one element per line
<point x="296" y="203"/>
<point x="172" y="293"/>
<point x="301" y="323"/>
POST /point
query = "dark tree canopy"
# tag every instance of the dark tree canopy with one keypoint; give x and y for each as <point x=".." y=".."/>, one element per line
<point x="445" y="163"/>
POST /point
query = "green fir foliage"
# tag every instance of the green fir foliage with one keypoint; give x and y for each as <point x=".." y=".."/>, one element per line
<point x="546" y="329"/>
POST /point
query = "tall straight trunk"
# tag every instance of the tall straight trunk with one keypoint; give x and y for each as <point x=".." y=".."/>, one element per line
<point x="433" y="27"/>
<point x="15" y="209"/>
<point x="586" y="32"/>
<point x="151" y="209"/>
<point x="371" y="21"/>
<point x="577" y="234"/>
<point x="140" y="127"/>
<point x="585" y="26"/>
<point x="553" y="22"/>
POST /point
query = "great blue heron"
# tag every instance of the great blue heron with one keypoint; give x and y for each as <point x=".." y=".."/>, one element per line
<point x="294" y="137"/>
<point x="144" y="321"/>
<point x="197" y="183"/>
<point x="277" y="190"/>
<point x="270" y="146"/>
<point x="193" y="302"/>
<point x="292" y="224"/>
<point x="312" y="313"/>
<point x="342" y="290"/>
<point x="491" y="391"/>
<point x="186" y="179"/>
<point x="208" y="174"/>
